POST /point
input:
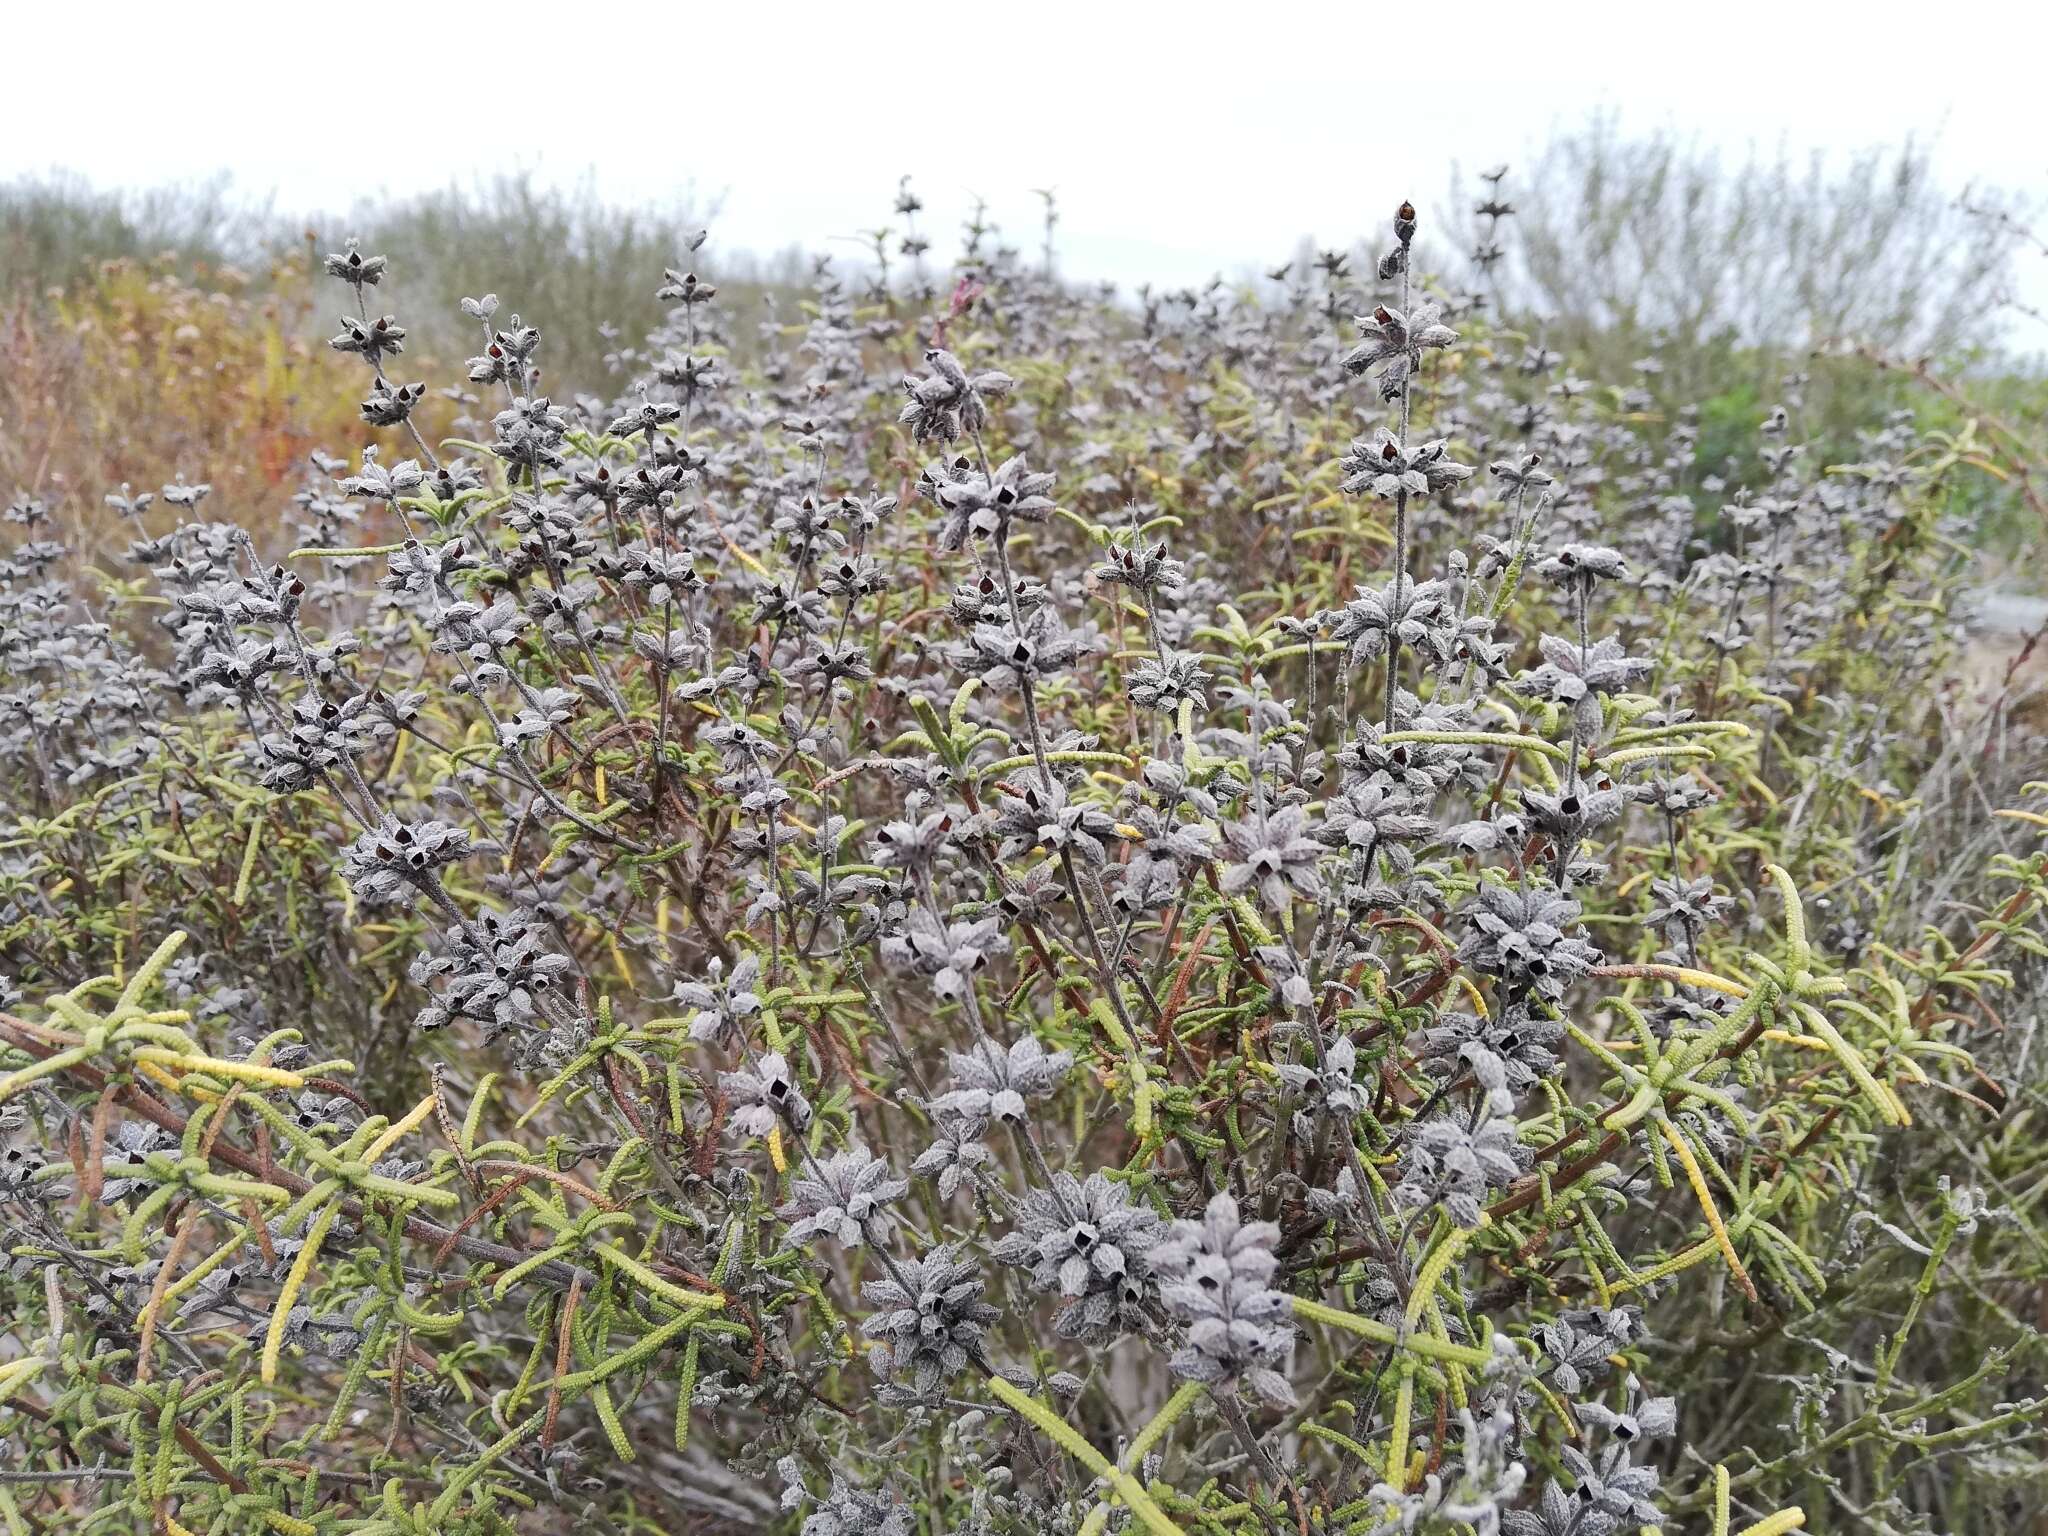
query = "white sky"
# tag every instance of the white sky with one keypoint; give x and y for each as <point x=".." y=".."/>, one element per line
<point x="1182" y="139"/>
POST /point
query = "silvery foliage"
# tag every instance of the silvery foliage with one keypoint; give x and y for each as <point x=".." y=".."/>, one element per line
<point x="929" y="1319"/>
<point x="766" y="1092"/>
<point x="1333" y="1088"/>
<point x="398" y="858"/>
<point x="1478" y="1493"/>
<point x="947" y="954"/>
<point x="1086" y="1242"/>
<point x="992" y="1083"/>
<point x="948" y="402"/>
<point x="494" y="971"/>
<point x="846" y="1197"/>
<point x="1578" y="1344"/>
<point x="957" y="1154"/>
<point x="724" y="1004"/>
<point x="1394" y="343"/>
<point x="1215" y="1279"/>
<point x="1525" y="937"/>
<point x="845" y="1510"/>
<point x="1456" y="1166"/>
<point x="1605" y="1489"/>
<point x="1273" y="855"/>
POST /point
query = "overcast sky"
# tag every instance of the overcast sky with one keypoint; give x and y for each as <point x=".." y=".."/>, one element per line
<point x="1182" y="139"/>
